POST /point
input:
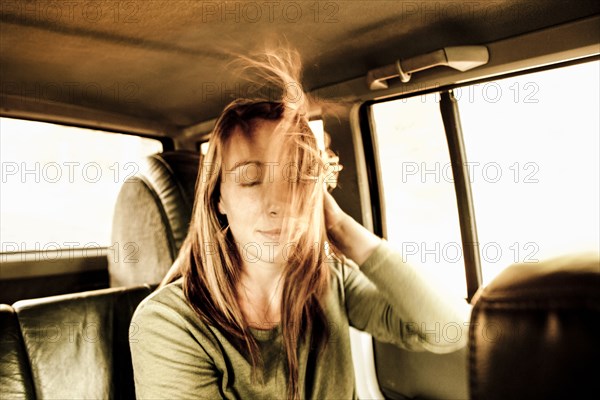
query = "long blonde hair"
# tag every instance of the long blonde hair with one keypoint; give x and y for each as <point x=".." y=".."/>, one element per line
<point x="209" y="260"/>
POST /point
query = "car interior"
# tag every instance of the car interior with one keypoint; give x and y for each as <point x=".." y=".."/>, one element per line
<point x="468" y="134"/>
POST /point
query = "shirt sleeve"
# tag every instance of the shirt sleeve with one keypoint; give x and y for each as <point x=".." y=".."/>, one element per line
<point x="393" y="301"/>
<point x="168" y="362"/>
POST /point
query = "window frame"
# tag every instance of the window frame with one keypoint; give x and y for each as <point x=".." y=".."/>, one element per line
<point x="473" y="271"/>
<point x="388" y="358"/>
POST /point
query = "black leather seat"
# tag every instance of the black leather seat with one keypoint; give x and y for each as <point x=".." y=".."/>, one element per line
<point x="535" y="332"/>
<point x="151" y="218"/>
<point x="15" y="374"/>
<point x="77" y="345"/>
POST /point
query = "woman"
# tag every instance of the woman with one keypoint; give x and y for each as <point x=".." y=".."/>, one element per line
<point x="263" y="303"/>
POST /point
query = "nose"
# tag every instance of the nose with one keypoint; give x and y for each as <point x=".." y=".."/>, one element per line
<point x="275" y="199"/>
<point x="273" y="207"/>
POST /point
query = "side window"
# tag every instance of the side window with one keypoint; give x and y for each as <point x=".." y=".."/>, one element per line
<point x="418" y="190"/>
<point x="60" y="184"/>
<point x="532" y="143"/>
<point x="532" y="146"/>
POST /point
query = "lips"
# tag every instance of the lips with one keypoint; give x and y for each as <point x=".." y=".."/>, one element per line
<point x="272" y="234"/>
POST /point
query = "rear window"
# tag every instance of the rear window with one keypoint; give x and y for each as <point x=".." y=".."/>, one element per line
<point x="60" y="184"/>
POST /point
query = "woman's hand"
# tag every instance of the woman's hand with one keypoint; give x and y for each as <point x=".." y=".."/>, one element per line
<point x="350" y="237"/>
<point x="333" y="212"/>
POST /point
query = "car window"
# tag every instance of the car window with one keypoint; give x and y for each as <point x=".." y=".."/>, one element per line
<point x="60" y="183"/>
<point x="532" y="142"/>
<point x="418" y="190"/>
<point x="532" y="150"/>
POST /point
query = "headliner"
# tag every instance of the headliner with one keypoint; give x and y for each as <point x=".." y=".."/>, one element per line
<point x="166" y="61"/>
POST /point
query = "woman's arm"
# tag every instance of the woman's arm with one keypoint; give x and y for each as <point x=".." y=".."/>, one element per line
<point x="351" y="238"/>
<point x="391" y="299"/>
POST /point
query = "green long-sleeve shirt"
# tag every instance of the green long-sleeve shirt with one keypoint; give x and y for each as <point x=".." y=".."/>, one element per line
<point x="177" y="356"/>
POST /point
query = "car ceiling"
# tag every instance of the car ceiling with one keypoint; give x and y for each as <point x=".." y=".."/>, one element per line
<point x="167" y="61"/>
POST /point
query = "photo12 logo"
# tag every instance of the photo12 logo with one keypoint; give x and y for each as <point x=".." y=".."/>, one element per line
<point x="84" y="93"/>
<point x="488" y="172"/>
<point x="67" y="172"/>
<point x="269" y="11"/>
<point x="53" y="11"/>
<point x="55" y="252"/>
<point x="270" y="172"/>
<point x="452" y="252"/>
<point x="489" y="92"/>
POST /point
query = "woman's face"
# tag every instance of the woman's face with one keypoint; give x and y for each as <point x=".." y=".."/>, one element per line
<point x="254" y="192"/>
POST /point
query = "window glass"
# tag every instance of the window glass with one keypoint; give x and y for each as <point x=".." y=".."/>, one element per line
<point x="532" y="143"/>
<point x="60" y="184"/>
<point x="316" y="125"/>
<point x="420" y="202"/>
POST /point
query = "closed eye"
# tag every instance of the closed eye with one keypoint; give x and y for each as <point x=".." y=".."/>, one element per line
<point x="249" y="184"/>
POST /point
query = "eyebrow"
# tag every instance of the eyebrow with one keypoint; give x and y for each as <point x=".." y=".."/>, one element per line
<point x="244" y="163"/>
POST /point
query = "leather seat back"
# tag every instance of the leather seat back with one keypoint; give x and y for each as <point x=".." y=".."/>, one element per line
<point x="15" y="375"/>
<point x="534" y="332"/>
<point x="151" y="218"/>
<point x="78" y="344"/>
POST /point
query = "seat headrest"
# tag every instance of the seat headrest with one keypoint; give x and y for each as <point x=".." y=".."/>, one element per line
<point x="534" y="331"/>
<point x="151" y="218"/>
